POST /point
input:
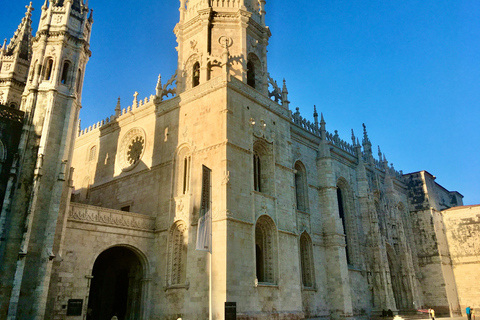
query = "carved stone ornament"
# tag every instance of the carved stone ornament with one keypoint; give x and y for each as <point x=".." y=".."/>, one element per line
<point x="132" y="148"/>
<point x="225" y="42"/>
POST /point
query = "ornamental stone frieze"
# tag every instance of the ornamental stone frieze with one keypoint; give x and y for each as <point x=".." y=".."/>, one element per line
<point x="108" y="217"/>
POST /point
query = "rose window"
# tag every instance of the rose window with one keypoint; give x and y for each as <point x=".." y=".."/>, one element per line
<point x="132" y="148"/>
<point x="135" y="150"/>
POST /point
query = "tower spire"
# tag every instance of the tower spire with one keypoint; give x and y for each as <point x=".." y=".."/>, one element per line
<point x="20" y="43"/>
<point x="15" y="60"/>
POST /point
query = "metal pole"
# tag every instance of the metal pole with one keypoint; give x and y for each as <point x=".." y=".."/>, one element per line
<point x="210" y="287"/>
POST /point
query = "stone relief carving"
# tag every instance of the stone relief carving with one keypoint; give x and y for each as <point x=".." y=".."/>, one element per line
<point x="86" y="213"/>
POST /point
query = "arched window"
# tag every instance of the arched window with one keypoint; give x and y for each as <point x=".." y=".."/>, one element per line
<point x="262" y="167"/>
<point x="186" y="174"/>
<point x="196" y="74"/>
<point x="306" y="260"/>
<point x="257" y="172"/>
<point x="65" y="70"/>
<point x="183" y="168"/>
<point x="48" y="69"/>
<point x="251" y="74"/>
<point x="265" y="250"/>
<point x="300" y="187"/>
<point x="177" y="254"/>
<point x="341" y="211"/>
<point x="93" y="153"/>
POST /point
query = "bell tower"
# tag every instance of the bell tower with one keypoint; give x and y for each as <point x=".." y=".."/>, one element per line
<point x="30" y="242"/>
<point x="208" y="28"/>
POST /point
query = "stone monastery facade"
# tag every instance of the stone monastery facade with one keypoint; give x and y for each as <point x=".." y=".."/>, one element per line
<point x="103" y="221"/>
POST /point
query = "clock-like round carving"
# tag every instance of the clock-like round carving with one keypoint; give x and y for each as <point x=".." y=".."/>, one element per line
<point x="132" y="148"/>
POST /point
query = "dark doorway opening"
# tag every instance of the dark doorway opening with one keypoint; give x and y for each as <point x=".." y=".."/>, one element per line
<point x="115" y="289"/>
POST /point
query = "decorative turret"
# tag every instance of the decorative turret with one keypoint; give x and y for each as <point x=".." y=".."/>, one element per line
<point x="209" y="29"/>
<point x="14" y="62"/>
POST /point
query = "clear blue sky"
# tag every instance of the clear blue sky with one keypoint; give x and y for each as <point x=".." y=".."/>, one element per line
<point x="408" y="69"/>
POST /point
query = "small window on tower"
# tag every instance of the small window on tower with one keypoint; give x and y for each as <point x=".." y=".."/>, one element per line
<point x="48" y="69"/>
<point x="66" y="67"/>
<point x="196" y="74"/>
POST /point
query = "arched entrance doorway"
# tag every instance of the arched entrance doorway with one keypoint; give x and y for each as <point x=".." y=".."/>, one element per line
<point x="115" y="289"/>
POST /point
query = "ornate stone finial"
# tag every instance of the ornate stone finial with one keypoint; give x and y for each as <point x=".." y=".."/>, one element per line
<point x="118" y="108"/>
<point x="367" y="145"/>
<point x="379" y="154"/>
<point x="159" y="90"/>
<point x="90" y="19"/>
<point x="315" y="115"/>
<point x="365" y="134"/>
<point x="135" y="101"/>
<point x="29" y="8"/>
<point x="323" y="130"/>
<point x="353" y="138"/>
<point x="285" y="101"/>
<point x="79" y="126"/>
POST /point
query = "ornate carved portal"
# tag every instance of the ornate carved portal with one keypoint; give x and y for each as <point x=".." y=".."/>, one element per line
<point x="400" y="286"/>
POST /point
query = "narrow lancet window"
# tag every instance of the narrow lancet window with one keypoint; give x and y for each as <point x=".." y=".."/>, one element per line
<point x="341" y="211"/>
<point x="265" y="250"/>
<point x="251" y="74"/>
<point x="257" y="174"/>
<point x="196" y="74"/>
<point x="306" y="255"/>
<point x="186" y="174"/>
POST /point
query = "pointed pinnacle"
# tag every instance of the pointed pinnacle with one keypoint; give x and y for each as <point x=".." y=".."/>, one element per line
<point x="29" y="8"/>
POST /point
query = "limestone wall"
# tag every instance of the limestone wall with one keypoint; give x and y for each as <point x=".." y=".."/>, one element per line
<point x="462" y="225"/>
<point x="426" y="199"/>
